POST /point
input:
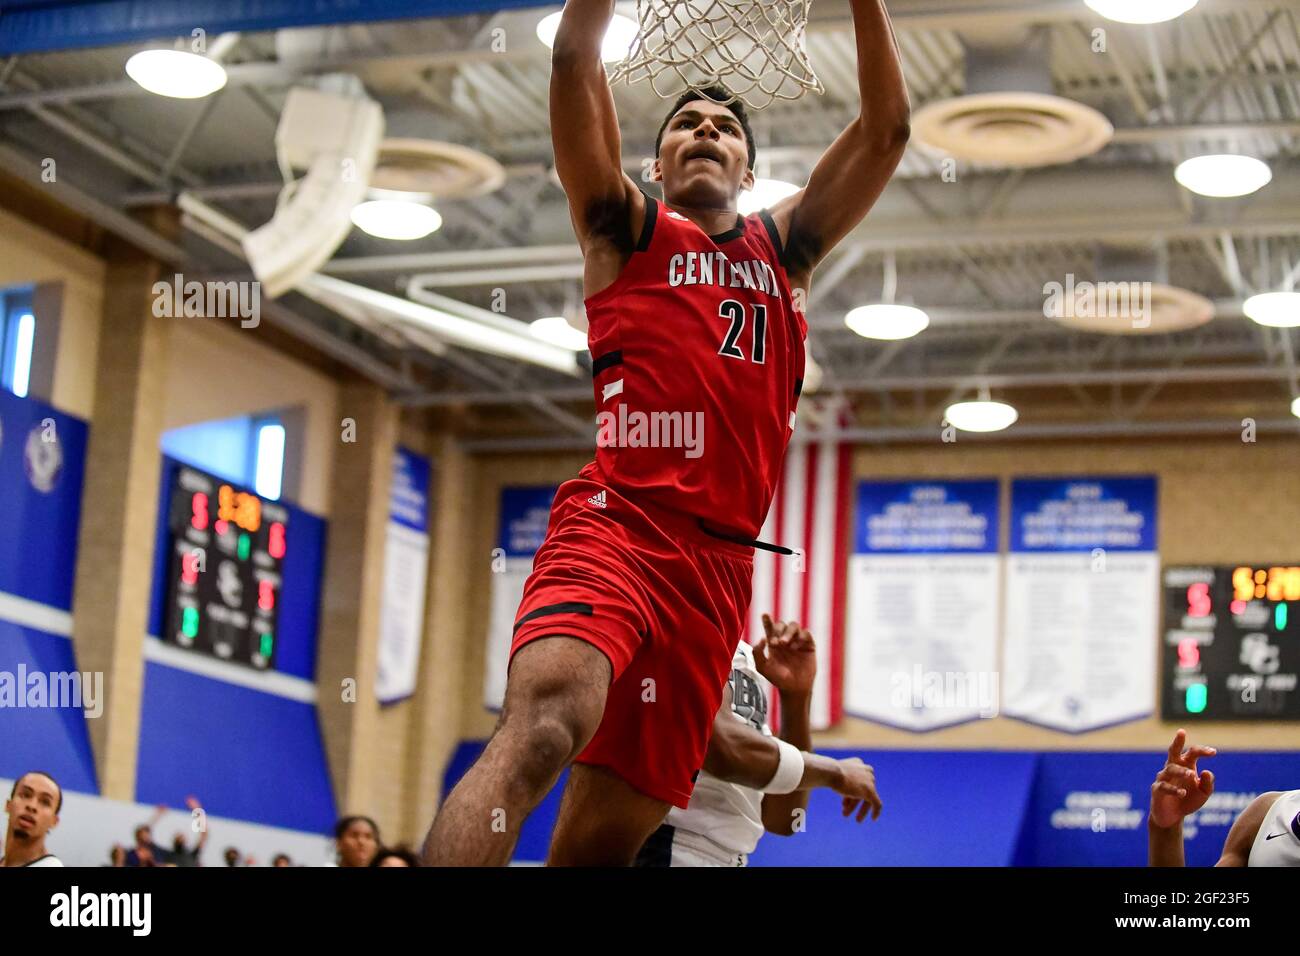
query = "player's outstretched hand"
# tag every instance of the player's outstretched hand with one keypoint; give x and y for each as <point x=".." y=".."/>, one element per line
<point x="786" y="656"/>
<point x="1180" y="789"/>
<point x="857" y="784"/>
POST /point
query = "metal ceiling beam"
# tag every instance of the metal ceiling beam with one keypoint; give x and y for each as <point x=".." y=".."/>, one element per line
<point x="997" y="14"/>
<point x="272" y="73"/>
<point x="1046" y="379"/>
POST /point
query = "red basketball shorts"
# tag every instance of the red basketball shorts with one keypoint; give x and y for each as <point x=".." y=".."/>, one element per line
<point x="665" y="602"/>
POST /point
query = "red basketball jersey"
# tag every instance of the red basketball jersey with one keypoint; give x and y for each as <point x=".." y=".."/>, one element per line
<point x="697" y="359"/>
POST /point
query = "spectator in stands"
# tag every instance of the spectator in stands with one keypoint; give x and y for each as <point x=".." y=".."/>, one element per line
<point x="116" y="856"/>
<point x="33" y="808"/>
<point x="395" y="856"/>
<point x="146" y="852"/>
<point x="281" y="859"/>
<point x="231" y="856"/>
<point x="357" y="839"/>
<point x="182" y="854"/>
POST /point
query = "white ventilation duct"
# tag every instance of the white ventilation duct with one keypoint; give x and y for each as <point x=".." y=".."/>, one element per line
<point x="333" y="133"/>
<point x="1009" y="115"/>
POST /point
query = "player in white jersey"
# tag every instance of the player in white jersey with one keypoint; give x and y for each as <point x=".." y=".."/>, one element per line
<point x="1266" y="833"/>
<point x="753" y="782"/>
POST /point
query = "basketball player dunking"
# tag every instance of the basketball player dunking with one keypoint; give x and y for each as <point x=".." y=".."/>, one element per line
<point x="625" y="634"/>
<point x="1266" y="833"/>
<point x="752" y="781"/>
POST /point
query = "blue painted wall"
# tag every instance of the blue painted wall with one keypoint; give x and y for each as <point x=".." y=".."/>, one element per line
<point x="38" y="554"/>
<point x="984" y="808"/>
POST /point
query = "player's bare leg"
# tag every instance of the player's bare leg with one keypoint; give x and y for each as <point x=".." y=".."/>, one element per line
<point x="555" y="696"/>
<point x="603" y="820"/>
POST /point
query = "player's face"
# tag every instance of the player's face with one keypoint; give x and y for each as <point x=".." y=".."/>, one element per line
<point x="32" y="808"/>
<point x="704" y="157"/>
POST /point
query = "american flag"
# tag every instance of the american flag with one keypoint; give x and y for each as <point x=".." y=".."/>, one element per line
<point x="808" y="516"/>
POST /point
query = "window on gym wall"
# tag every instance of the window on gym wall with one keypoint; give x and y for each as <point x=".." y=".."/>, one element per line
<point x="248" y="450"/>
<point x="17" y="335"/>
<point x="268" y="457"/>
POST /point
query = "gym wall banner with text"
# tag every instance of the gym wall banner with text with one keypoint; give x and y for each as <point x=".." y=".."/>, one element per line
<point x="923" y="603"/>
<point x="1082" y="602"/>
<point x="406" y="571"/>
<point x="524" y="513"/>
<point x="1075" y="603"/>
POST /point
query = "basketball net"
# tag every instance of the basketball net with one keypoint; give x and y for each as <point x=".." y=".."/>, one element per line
<point x="755" y="48"/>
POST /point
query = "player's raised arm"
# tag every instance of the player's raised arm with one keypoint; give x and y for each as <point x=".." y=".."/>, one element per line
<point x="584" y="127"/>
<point x="852" y="173"/>
<point x="1179" y="790"/>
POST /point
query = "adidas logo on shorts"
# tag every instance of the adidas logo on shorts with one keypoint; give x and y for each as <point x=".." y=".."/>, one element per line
<point x="597" y="499"/>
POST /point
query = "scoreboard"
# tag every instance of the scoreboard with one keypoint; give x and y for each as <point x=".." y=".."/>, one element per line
<point x="1231" y="647"/>
<point x="227" y="545"/>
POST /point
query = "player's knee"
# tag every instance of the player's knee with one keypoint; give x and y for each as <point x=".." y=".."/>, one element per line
<point x="543" y="747"/>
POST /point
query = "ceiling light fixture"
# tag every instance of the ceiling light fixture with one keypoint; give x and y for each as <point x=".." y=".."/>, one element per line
<point x="1223" y="176"/>
<point x="887" y="321"/>
<point x="1278" y="310"/>
<point x="1141" y="11"/>
<point x="765" y="194"/>
<point x="556" y="330"/>
<point x="618" y="36"/>
<point x="176" y="73"/>
<point x="981" y="416"/>
<point x="396" y="219"/>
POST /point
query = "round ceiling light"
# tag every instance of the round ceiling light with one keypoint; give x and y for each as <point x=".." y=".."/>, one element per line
<point x="886" y="321"/>
<point x="765" y="194"/>
<point x="981" y="416"/>
<point x="1278" y="310"/>
<point x="396" y="219"/>
<point x="1223" y="176"/>
<point x="176" y="73"/>
<point x="556" y="330"/>
<point x="1141" y="11"/>
<point x="618" y="36"/>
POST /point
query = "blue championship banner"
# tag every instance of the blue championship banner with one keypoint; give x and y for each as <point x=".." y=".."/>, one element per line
<point x="525" y="513"/>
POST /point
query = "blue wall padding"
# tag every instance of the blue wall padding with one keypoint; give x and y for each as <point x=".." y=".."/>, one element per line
<point x="988" y="808"/>
<point x="940" y="809"/>
<point x="40" y="516"/>
<point x="53" y="739"/>
<point x="246" y="754"/>
<point x="38" y="529"/>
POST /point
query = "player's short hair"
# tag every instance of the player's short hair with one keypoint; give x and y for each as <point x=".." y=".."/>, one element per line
<point x="720" y="95"/>
<point x="50" y="777"/>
